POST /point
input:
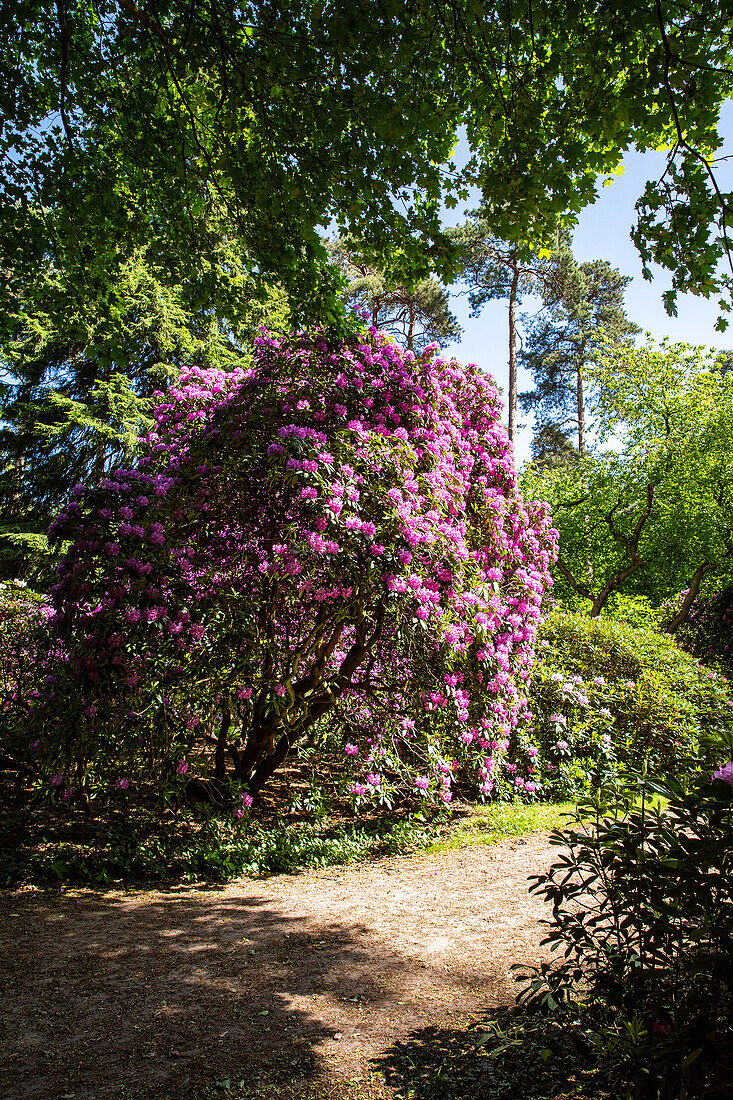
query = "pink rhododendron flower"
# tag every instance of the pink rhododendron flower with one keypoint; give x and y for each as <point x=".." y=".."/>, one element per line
<point x="725" y="773"/>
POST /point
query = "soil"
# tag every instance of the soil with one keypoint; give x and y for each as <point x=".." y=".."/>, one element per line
<point x="297" y="979"/>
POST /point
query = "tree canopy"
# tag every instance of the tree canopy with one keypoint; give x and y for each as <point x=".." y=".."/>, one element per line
<point x="284" y="117"/>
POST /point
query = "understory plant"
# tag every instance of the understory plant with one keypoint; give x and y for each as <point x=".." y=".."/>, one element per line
<point x="332" y="536"/>
<point x="642" y="930"/>
<point x="607" y="698"/>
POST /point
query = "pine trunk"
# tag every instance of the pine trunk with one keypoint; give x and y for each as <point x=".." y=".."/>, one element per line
<point x="512" y="395"/>
<point x="581" y="411"/>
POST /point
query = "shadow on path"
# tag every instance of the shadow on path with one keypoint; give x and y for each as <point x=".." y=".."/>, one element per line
<point x="299" y="978"/>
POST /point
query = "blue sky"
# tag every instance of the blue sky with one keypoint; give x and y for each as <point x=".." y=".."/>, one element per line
<point x="603" y="233"/>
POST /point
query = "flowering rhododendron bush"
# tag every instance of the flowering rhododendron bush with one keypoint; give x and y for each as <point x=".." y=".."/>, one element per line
<point x="333" y="534"/>
<point x="708" y="633"/>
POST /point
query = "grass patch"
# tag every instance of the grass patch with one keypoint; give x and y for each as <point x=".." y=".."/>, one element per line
<point x="498" y="820"/>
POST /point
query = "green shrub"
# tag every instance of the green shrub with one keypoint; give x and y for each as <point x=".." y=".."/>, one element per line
<point x="607" y="697"/>
<point x="23" y="641"/>
<point x="642" y="914"/>
<point x="636" y="611"/>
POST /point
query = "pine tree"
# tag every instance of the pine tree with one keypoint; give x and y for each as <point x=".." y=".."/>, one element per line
<point x="496" y="269"/>
<point x="417" y="315"/>
<point x="583" y="313"/>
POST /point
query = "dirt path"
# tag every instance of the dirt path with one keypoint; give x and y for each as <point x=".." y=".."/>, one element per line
<point x="302" y="978"/>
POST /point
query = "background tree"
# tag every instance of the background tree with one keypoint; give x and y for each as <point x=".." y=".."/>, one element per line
<point x="655" y="516"/>
<point x="583" y="314"/>
<point x="417" y="315"/>
<point x="82" y="358"/>
<point x="494" y="268"/>
<point x="551" y="446"/>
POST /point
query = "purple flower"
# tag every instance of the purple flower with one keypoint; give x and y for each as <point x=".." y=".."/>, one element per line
<point x="725" y="773"/>
<point x="422" y="782"/>
<point x="182" y="767"/>
<point x="373" y="780"/>
<point x="351" y="750"/>
<point x="122" y="783"/>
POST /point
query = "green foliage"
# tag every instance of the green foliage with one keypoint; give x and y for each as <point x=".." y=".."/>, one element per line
<point x="119" y="117"/>
<point x="647" y="515"/>
<point x="416" y="316"/>
<point x="642" y="914"/>
<point x="200" y="845"/>
<point x="608" y="697"/>
<point x="634" y="611"/>
<point x="551" y="446"/>
<point x="83" y="352"/>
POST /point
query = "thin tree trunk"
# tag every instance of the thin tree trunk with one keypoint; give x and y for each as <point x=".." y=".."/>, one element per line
<point x="220" y="767"/>
<point x="512" y="395"/>
<point x="581" y="411"/>
<point x="411" y="329"/>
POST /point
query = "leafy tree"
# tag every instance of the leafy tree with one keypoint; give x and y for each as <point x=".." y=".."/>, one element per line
<point x="288" y="116"/>
<point x="656" y="516"/>
<point x="417" y="315"/>
<point x="584" y="313"/>
<point x="334" y="532"/>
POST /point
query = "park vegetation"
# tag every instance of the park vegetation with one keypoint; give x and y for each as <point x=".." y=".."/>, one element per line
<point x="274" y="593"/>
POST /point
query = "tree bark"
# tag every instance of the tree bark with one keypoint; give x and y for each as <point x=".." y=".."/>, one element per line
<point x="581" y="410"/>
<point x="220" y="767"/>
<point x="683" y="614"/>
<point x="411" y="329"/>
<point x="512" y="395"/>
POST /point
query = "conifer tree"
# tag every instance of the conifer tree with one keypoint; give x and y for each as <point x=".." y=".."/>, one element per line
<point x="416" y="315"/>
<point x="583" y="313"/>
<point x="495" y="269"/>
